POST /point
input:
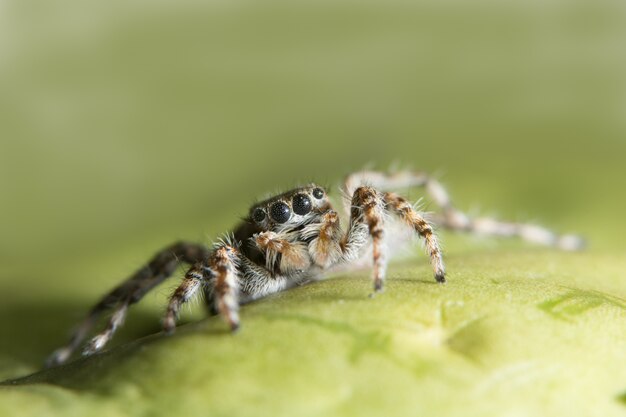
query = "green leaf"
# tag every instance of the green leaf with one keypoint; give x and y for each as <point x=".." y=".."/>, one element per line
<point x="497" y="338"/>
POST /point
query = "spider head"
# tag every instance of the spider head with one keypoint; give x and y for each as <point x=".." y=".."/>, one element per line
<point x="293" y="208"/>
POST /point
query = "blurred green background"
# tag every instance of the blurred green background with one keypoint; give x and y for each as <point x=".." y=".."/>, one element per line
<point x="125" y="125"/>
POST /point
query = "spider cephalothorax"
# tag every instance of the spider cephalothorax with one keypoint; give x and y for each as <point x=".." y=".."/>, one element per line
<point x="293" y="238"/>
<point x="278" y="231"/>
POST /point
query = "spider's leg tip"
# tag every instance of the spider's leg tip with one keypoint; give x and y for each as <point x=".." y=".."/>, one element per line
<point x="378" y="289"/>
<point x="95" y="345"/>
<point x="572" y="243"/>
<point x="168" y="328"/>
<point x="88" y="351"/>
<point x="57" y="358"/>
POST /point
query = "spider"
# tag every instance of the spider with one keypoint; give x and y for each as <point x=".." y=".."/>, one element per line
<point x="293" y="238"/>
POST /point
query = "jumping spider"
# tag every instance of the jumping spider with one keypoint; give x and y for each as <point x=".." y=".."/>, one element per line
<point x="293" y="238"/>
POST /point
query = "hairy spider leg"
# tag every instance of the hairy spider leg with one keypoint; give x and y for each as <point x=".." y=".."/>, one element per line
<point x="451" y="218"/>
<point x="368" y="207"/>
<point x="401" y="207"/>
<point x="219" y="270"/>
<point x="159" y="268"/>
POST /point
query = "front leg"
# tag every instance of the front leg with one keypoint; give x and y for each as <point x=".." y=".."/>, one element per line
<point x="367" y="218"/>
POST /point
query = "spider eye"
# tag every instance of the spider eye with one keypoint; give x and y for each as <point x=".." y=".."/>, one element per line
<point x="280" y="212"/>
<point x="301" y="204"/>
<point x="258" y="215"/>
<point x="318" y="193"/>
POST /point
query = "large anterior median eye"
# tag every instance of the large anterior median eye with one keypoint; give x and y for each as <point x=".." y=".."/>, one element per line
<point x="280" y="212"/>
<point x="301" y="204"/>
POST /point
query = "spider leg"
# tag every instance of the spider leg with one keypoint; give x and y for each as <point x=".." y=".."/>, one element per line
<point x="533" y="233"/>
<point x="401" y="207"/>
<point x="160" y="267"/>
<point x="101" y="339"/>
<point x="367" y="219"/>
<point x="453" y="219"/>
<point x="221" y="271"/>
